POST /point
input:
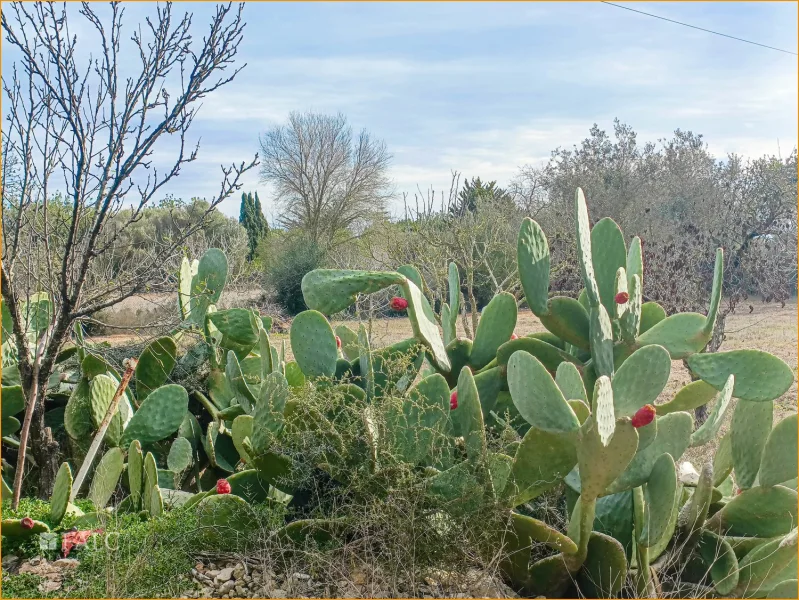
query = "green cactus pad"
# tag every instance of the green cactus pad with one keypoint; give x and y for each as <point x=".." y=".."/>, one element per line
<point x="268" y="418"/>
<point x="294" y="375"/>
<point x="660" y="547"/>
<point x="471" y="416"/>
<point x="635" y="262"/>
<point x="13" y="402"/>
<point x="693" y="395"/>
<point x="601" y="464"/>
<point x="542" y="460"/>
<point x="759" y="376"/>
<point x="712" y="425"/>
<point x="682" y="334"/>
<point x="106" y="477"/>
<point x="609" y="254"/>
<point x="156" y="502"/>
<point x="236" y="327"/>
<point x="620" y="286"/>
<point x="660" y="493"/>
<point x="454" y="284"/>
<point x="673" y="437"/>
<point x="190" y="429"/>
<point x="548" y="577"/>
<point x="605" y="569"/>
<point x="785" y="589"/>
<point x="647" y="434"/>
<point x="601" y="341"/>
<point x="184" y="288"/>
<point x="366" y="364"/>
<point x="695" y="511"/>
<point x="779" y="461"/>
<point x="757" y="512"/>
<point x="630" y="323"/>
<point x="532" y="252"/>
<point x="750" y="428"/>
<point x="149" y="480"/>
<point x="9" y="425"/>
<point x="457" y="489"/>
<point x="568" y="320"/>
<point x="314" y="344"/>
<point x="103" y="387"/>
<point x="411" y="273"/>
<point x="349" y="342"/>
<point x="208" y="282"/>
<point x="640" y="379"/>
<point x="155" y="364"/>
<point x="604" y="414"/>
<point x="652" y="313"/>
<point x="12" y="528"/>
<point x="497" y="322"/>
<point x="411" y="424"/>
<point x="159" y="415"/>
<point x="527" y="527"/>
<point x="765" y="561"/>
<point x="580" y="409"/>
<point x="423" y="322"/>
<point x="61" y="493"/>
<point x="537" y="396"/>
<point x="570" y="382"/>
<point x="448" y="325"/>
<point x="584" y="249"/>
<point x="135" y="472"/>
<point x="242" y="428"/>
<point x="550" y="356"/>
<point x="180" y="455"/>
<point x="330" y="290"/>
<point x="722" y="460"/>
<point x="220" y="449"/>
<point x="320" y="530"/>
<point x="717" y="554"/>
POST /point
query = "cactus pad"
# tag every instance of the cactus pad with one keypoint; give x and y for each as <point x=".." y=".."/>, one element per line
<point x="750" y="428"/>
<point x="673" y="437"/>
<point x="180" y="455"/>
<point x="600" y="465"/>
<point x="693" y="395"/>
<point x="106" y="477"/>
<point x="471" y="416"/>
<point x="537" y="396"/>
<point x="159" y="415"/>
<point x="759" y="376"/>
<point x="425" y="328"/>
<point x="584" y="249"/>
<point x="61" y="493"/>
<point x="601" y="341"/>
<point x="497" y="322"/>
<point x="314" y="344"/>
<point x="568" y="379"/>
<point x="542" y="460"/>
<point x="652" y="313"/>
<point x="757" y="512"/>
<point x="764" y="562"/>
<point x="135" y="472"/>
<point x="12" y="528"/>
<point x="527" y="527"/>
<point x="532" y="253"/>
<point x="712" y="425"/>
<point x="779" y="461"/>
<point x="330" y="291"/>
<point x="155" y="364"/>
<point x="605" y="569"/>
<point x="640" y="379"/>
<point x="568" y="319"/>
<point x="717" y="553"/>
<point x="550" y="356"/>
<point x="609" y="255"/>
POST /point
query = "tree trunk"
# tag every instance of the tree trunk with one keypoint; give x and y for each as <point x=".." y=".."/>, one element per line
<point x="44" y="448"/>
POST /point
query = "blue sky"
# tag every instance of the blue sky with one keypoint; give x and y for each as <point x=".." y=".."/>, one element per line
<point x="485" y="88"/>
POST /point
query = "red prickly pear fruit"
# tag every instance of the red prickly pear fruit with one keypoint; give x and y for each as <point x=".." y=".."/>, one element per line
<point x="222" y="486"/>
<point x="398" y="303"/>
<point x="513" y="336"/>
<point x="338" y="342"/>
<point x="644" y="416"/>
<point x="622" y="297"/>
<point x="27" y="523"/>
<point x="453" y="400"/>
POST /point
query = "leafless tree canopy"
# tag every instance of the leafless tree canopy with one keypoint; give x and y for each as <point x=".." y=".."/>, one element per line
<point x="325" y="180"/>
<point x="78" y="143"/>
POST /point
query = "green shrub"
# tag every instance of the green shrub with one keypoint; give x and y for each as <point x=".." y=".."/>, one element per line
<point x="286" y="263"/>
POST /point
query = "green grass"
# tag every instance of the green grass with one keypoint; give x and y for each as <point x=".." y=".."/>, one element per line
<point x="132" y="558"/>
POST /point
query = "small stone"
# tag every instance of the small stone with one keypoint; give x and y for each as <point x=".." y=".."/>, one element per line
<point x="301" y="576"/>
<point x="224" y="575"/>
<point x="67" y="563"/>
<point x="239" y="571"/>
<point x="212" y="573"/>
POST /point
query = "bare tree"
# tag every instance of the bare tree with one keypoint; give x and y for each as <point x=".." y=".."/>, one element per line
<point x="325" y="181"/>
<point x="79" y="142"/>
